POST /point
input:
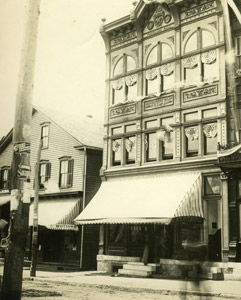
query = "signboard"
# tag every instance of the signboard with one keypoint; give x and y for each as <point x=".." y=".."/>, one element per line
<point x="158" y="103"/>
<point x="200" y="93"/>
<point x="122" y="110"/>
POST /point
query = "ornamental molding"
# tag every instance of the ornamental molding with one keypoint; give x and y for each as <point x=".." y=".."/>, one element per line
<point x="118" y="84"/>
<point x="131" y="79"/>
<point x="191" y="133"/>
<point x="208" y="57"/>
<point x="115" y="146"/>
<point x="191" y="62"/>
<point x="210" y="130"/>
<point x="123" y="110"/>
<point x="129" y="145"/>
<point x="151" y="74"/>
<point x="167" y="70"/>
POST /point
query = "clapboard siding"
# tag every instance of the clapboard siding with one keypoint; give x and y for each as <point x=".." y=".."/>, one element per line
<point x="93" y="180"/>
<point x="6" y="156"/>
<point x="60" y="144"/>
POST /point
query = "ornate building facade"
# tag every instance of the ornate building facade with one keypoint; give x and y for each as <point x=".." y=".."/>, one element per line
<point x="168" y="109"/>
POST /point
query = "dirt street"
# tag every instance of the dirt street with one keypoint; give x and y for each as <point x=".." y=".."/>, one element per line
<point x="42" y="290"/>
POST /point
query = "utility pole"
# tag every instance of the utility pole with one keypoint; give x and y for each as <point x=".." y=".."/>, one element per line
<point x="20" y="170"/>
<point x="35" y="215"/>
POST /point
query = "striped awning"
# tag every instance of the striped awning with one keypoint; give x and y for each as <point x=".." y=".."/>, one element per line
<point x="145" y="199"/>
<point x="57" y="214"/>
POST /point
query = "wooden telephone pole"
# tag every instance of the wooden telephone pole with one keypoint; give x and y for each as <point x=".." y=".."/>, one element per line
<point x="20" y="170"/>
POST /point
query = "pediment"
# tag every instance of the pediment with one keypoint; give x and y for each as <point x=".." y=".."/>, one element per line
<point x="161" y="17"/>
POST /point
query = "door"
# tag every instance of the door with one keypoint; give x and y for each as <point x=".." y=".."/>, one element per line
<point x="214" y="230"/>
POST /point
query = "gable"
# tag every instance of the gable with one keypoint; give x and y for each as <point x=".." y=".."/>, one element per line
<point x="161" y="19"/>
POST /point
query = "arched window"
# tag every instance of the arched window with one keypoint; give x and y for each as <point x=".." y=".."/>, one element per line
<point x="152" y="57"/>
<point x="159" y="53"/>
<point x="200" y="67"/>
<point x="166" y="51"/>
<point x="125" y="87"/>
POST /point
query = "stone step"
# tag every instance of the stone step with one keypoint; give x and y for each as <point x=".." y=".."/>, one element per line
<point x="136" y="267"/>
<point x="135" y="273"/>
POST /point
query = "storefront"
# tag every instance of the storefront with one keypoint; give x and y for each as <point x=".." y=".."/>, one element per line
<point x="58" y="237"/>
<point x="174" y="215"/>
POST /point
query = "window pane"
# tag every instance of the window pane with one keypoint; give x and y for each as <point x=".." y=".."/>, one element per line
<point x="210" y="145"/>
<point x="210" y="71"/>
<point x="116" y="130"/>
<point x="168" y="82"/>
<point x="191" y="43"/>
<point x="130" y="128"/>
<point x="132" y="92"/>
<point x="166" y="51"/>
<point x="119" y="67"/>
<point x="152" y="57"/>
<point x="192" y="76"/>
<point x="116" y="233"/>
<point x="44" y="136"/>
<point x="207" y="39"/>
<point x="131" y="64"/>
<point x="208" y="113"/>
<point x="191" y="116"/>
<point x="212" y="185"/>
<point x="63" y="181"/>
<point x="151" y="124"/>
<point x="167" y="146"/>
<point x="64" y="166"/>
<point x="116" y="152"/>
<point x="192" y="141"/>
<point x="166" y="121"/>
<point x="151" y="144"/>
<point x="130" y="149"/>
<point x="118" y="96"/>
<point x="152" y="86"/>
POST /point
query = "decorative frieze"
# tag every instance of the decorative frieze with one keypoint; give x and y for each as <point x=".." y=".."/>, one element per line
<point x="123" y="110"/>
<point x="198" y="11"/>
<point x="158" y="103"/>
<point x="200" y="93"/>
<point x="123" y="38"/>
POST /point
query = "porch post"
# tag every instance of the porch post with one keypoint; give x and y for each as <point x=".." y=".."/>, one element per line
<point x="101" y="239"/>
<point x="225" y="218"/>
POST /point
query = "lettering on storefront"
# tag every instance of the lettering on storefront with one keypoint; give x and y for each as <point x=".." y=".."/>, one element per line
<point x="200" y="93"/>
<point x="157" y="103"/>
<point x="198" y="11"/>
<point x="121" y="111"/>
<point x="123" y="38"/>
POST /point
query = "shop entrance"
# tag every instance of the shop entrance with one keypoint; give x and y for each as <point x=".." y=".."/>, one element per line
<point x="214" y="230"/>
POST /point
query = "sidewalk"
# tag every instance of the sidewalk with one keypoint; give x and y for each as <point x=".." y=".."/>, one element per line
<point x="223" y="289"/>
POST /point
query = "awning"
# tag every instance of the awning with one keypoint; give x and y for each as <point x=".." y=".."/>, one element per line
<point x="152" y="199"/>
<point x="4" y="199"/>
<point x="56" y="214"/>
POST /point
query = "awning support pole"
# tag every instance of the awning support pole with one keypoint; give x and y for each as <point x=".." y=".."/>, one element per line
<point x="101" y="239"/>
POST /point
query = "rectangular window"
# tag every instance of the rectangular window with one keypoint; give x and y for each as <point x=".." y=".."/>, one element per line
<point x="151" y="124"/>
<point x="5" y="179"/>
<point x="44" y="173"/>
<point x="209" y="113"/>
<point x="45" y="136"/>
<point x="192" y="75"/>
<point x="210" y="138"/>
<point x="66" y="173"/>
<point x="130" y="128"/>
<point x="131" y="92"/>
<point x="116" y="130"/>
<point x="151" y="146"/>
<point x="210" y="71"/>
<point x="118" y="95"/>
<point x="191" y="116"/>
<point x="116" y="152"/>
<point x="168" y="141"/>
<point x="191" y="141"/>
<point x="152" y="86"/>
<point x="167" y="82"/>
<point x="130" y="145"/>
<point x="212" y="185"/>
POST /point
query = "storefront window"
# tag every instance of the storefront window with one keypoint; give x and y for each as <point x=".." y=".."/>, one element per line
<point x="116" y="233"/>
<point x="212" y="185"/>
<point x="116" y="152"/>
<point x="191" y="141"/>
<point x="151" y="146"/>
<point x="130" y="145"/>
<point x="210" y="138"/>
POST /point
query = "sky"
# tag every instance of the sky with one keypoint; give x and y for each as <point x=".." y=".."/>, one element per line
<point x="70" y="59"/>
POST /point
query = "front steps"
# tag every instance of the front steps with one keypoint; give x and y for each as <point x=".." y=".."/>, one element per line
<point x="173" y="269"/>
<point x="138" y="269"/>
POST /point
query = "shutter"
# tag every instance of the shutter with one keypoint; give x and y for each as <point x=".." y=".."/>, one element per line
<point x="48" y="170"/>
<point x="1" y="175"/>
<point x="60" y="174"/>
<point x="70" y="172"/>
<point x="9" y="178"/>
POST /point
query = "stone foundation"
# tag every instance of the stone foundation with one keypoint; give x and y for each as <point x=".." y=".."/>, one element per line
<point x="106" y="263"/>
